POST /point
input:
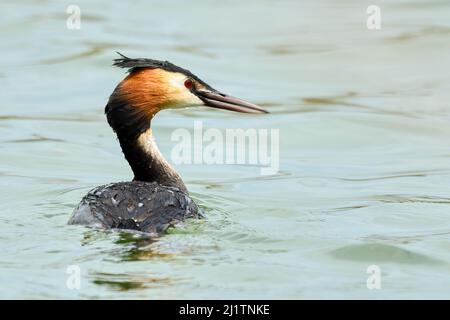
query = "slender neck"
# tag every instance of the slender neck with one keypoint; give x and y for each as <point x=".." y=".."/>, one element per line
<point x="138" y="146"/>
<point x="147" y="162"/>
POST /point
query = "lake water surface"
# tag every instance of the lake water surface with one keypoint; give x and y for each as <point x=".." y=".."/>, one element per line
<point x="364" y="120"/>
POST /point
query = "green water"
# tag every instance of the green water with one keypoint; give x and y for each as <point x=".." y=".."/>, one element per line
<point x="364" y="179"/>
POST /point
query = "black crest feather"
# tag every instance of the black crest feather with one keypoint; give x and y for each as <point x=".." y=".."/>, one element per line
<point x="132" y="64"/>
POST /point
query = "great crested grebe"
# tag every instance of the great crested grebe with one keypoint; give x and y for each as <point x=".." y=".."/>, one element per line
<point x="157" y="197"/>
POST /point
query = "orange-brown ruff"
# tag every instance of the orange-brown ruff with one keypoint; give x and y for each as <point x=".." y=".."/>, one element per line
<point x="157" y="197"/>
<point x="151" y="90"/>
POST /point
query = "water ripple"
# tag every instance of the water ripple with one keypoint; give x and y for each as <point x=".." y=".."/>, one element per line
<point x="379" y="253"/>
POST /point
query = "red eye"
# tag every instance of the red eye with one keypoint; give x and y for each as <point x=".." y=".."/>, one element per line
<point x="188" y="84"/>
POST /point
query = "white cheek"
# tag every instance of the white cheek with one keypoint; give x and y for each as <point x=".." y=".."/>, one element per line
<point x="177" y="83"/>
<point x="186" y="97"/>
<point x="191" y="100"/>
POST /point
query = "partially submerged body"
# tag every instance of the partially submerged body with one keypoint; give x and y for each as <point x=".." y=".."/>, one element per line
<point x="136" y="205"/>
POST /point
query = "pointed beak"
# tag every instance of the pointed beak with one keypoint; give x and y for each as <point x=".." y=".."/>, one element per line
<point x="219" y="100"/>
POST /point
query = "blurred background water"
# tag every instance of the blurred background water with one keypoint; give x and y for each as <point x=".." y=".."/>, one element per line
<point x="364" y="119"/>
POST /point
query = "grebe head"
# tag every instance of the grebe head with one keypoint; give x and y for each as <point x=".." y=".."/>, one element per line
<point x="151" y="86"/>
<point x="154" y="85"/>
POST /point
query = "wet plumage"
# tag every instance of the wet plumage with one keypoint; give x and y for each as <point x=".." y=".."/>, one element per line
<point x="136" y="205"/>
